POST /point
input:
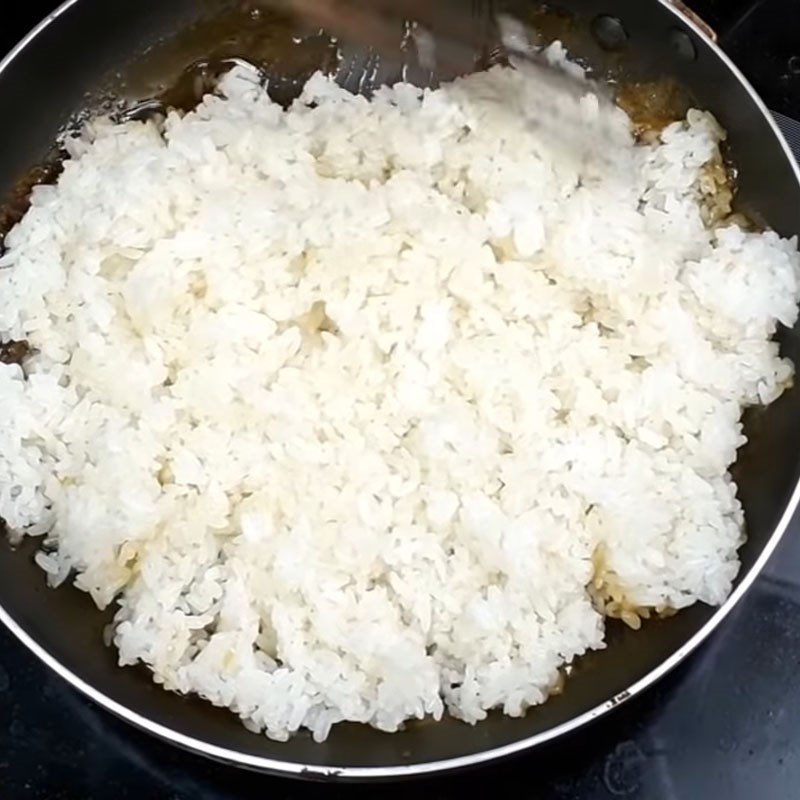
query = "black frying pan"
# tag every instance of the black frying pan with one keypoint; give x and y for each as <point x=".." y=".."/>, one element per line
<point x="93" y="51"/>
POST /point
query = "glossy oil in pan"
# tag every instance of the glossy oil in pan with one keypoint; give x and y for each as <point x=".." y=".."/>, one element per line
<point x="78" y="55"/>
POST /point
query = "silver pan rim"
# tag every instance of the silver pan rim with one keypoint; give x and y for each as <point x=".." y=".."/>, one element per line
<point x="347" y="773"/>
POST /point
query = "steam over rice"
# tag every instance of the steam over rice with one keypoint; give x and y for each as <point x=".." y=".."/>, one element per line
<point x="372" y="410"/>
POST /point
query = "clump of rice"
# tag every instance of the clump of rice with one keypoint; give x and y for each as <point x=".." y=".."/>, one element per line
<point x="372" y="410"/>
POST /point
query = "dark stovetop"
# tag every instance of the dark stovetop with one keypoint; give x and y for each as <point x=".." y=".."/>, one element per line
<point x="724" y="724"/>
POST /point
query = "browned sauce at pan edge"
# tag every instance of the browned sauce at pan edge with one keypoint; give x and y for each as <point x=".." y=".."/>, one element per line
<point x="13" y="352"/>
<point x="11" y="212"/>
<point x="652" y="105"/>
<point x="18" y="200"/>
<point x="178" y="72"/>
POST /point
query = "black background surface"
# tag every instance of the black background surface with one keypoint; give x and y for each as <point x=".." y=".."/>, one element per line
<point x="726" y="724"/>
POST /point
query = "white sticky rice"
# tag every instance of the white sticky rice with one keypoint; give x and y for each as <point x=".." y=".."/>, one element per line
<point x="374" y="410"/>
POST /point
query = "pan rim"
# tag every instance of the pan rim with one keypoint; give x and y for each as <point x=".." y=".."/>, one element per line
<point x="348" y="773"/>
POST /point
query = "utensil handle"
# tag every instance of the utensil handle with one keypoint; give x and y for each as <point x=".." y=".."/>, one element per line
<point x="694" y="17"/>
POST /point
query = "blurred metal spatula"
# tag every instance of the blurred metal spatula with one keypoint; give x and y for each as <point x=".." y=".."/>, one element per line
<point x="451" y="37"/>
<point x="457" y="37"/>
